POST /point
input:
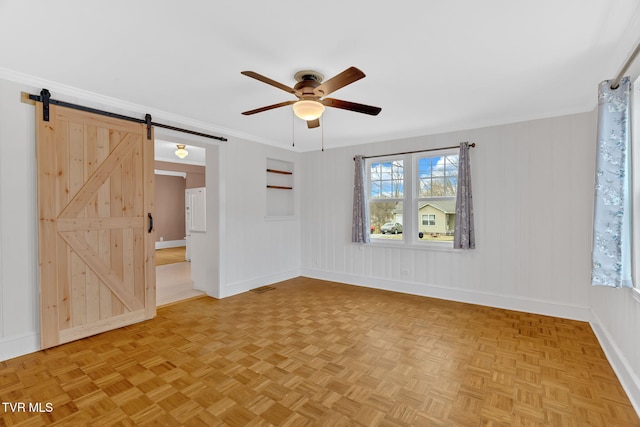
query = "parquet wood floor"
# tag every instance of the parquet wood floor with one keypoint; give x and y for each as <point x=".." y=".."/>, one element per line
<point x="315" y="353"/>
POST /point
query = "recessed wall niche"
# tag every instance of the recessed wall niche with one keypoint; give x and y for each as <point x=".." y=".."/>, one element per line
<point x="280" y="194"/>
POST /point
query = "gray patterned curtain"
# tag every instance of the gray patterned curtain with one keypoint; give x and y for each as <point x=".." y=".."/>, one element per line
<point x="464" y="234"/>
<point x="611" y="252"/>
<point x="360" y="226"/>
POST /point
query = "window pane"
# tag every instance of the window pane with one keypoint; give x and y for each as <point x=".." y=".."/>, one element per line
<point x="387" y="180"/>
<point x="451" y="186"/>
<point x="375" y="189"/>
<point x="424" y="189"/>
<point x="424" y="168"/>
<point x="437" y="187"/>
<point x="437" y="166"/>
<point x="436" y="219"/>
<point x="451" y="166"/>
<point x="437" y="183"/>
<point x="386" y="220"/>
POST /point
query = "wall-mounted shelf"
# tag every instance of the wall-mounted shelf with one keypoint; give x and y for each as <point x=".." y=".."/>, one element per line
<point x="279" y="171"/>
<point x="280" y="187"/>
<point x="279" y="177"/>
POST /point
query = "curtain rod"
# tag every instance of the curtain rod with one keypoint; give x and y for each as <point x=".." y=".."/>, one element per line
<point x="472" y="145"/>
<point x="44" y="97"/>
<point x="616" y="82"/>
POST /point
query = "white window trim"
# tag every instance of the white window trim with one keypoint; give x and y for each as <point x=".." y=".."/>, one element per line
<point x="410" y="203"/>
<point x="387" y="242"/>
<point x="635" y="186"/>
<point x="415" y="240"/>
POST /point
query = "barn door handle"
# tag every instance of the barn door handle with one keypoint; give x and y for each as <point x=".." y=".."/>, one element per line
<point x="150" y="222"/>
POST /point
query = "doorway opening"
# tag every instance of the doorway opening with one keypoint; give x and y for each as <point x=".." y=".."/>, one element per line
<point x="176" y="179"/>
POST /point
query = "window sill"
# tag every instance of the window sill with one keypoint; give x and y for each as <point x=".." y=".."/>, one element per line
<point x="280" y="218"/>
<point x="635" y="292"/>
<point x="435" y="247"/>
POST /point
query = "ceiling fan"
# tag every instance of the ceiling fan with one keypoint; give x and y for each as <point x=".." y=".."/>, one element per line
<point x="311" y="91"/>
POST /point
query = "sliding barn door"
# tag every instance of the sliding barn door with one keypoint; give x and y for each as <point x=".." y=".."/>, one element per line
<point x="96" y="245"/>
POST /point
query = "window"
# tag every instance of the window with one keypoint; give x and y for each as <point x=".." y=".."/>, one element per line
<point x="423" y="185"/>
<point x="437" y="185"/>
<point x="429" y="219"/>
<point x="386" y="197"/>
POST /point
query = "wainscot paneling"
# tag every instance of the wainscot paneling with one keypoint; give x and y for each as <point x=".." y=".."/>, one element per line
<point x="258" y="249"/>
<point x="532" y="185"/>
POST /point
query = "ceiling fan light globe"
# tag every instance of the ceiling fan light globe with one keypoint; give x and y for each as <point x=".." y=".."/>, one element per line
<point x="308" y="110"/>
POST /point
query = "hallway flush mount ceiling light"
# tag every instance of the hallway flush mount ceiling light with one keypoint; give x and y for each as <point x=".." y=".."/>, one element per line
<point x="181" y="152"/>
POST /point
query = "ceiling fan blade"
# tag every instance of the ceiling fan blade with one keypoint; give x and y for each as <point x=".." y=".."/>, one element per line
<point x="313" y="123"/>
<point x="268" y="107"/>
<point x="351" y="106"/>
<point x="339" y="81"/>
<point x="271" y="82"/>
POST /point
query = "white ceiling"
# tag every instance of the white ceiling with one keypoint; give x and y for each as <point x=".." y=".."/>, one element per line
<point x="432" y="66"/>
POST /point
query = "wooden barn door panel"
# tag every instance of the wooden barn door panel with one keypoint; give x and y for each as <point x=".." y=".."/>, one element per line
<point x="96" y="254"/>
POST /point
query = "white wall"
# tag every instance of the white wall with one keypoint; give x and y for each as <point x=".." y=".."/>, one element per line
<point x="259" y="250"/>
<point x="19" y="319"/>
<point x="533" y="198"/>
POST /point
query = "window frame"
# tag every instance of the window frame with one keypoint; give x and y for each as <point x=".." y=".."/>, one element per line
<point x="370" y="200"/>
<point x="410" y="200"/>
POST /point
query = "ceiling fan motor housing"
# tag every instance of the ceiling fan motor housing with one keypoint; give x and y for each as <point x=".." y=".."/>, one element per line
<point x="308" y="75"/>
<point x="307" y="82"/>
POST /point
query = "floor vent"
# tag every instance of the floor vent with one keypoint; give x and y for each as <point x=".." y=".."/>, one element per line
<point x="262" y="289"/>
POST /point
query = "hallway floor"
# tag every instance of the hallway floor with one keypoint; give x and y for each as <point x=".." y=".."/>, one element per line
<point x="173" y="283"/>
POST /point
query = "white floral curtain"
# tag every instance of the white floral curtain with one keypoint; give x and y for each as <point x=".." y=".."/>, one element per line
<point x="360" y="226"/>
<point x="611" y="253"/>
<point x="464" y="236"/>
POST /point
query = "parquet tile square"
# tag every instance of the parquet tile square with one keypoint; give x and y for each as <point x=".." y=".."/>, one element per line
<point x="315" y="353"/>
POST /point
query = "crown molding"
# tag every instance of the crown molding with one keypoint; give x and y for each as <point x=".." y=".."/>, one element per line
<point x="73" y="94"/>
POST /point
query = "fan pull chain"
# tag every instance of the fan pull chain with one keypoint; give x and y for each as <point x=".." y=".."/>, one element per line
<point x="293" y="136"/>
<point x="322" y="130"/>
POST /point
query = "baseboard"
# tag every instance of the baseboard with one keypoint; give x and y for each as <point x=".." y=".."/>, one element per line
<point x="542" y="307"/>
<point x="629" y="380"/>
<point x="19" y="346"/>
<point x="170" y="244"/>
<point x="246" y="285"/>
